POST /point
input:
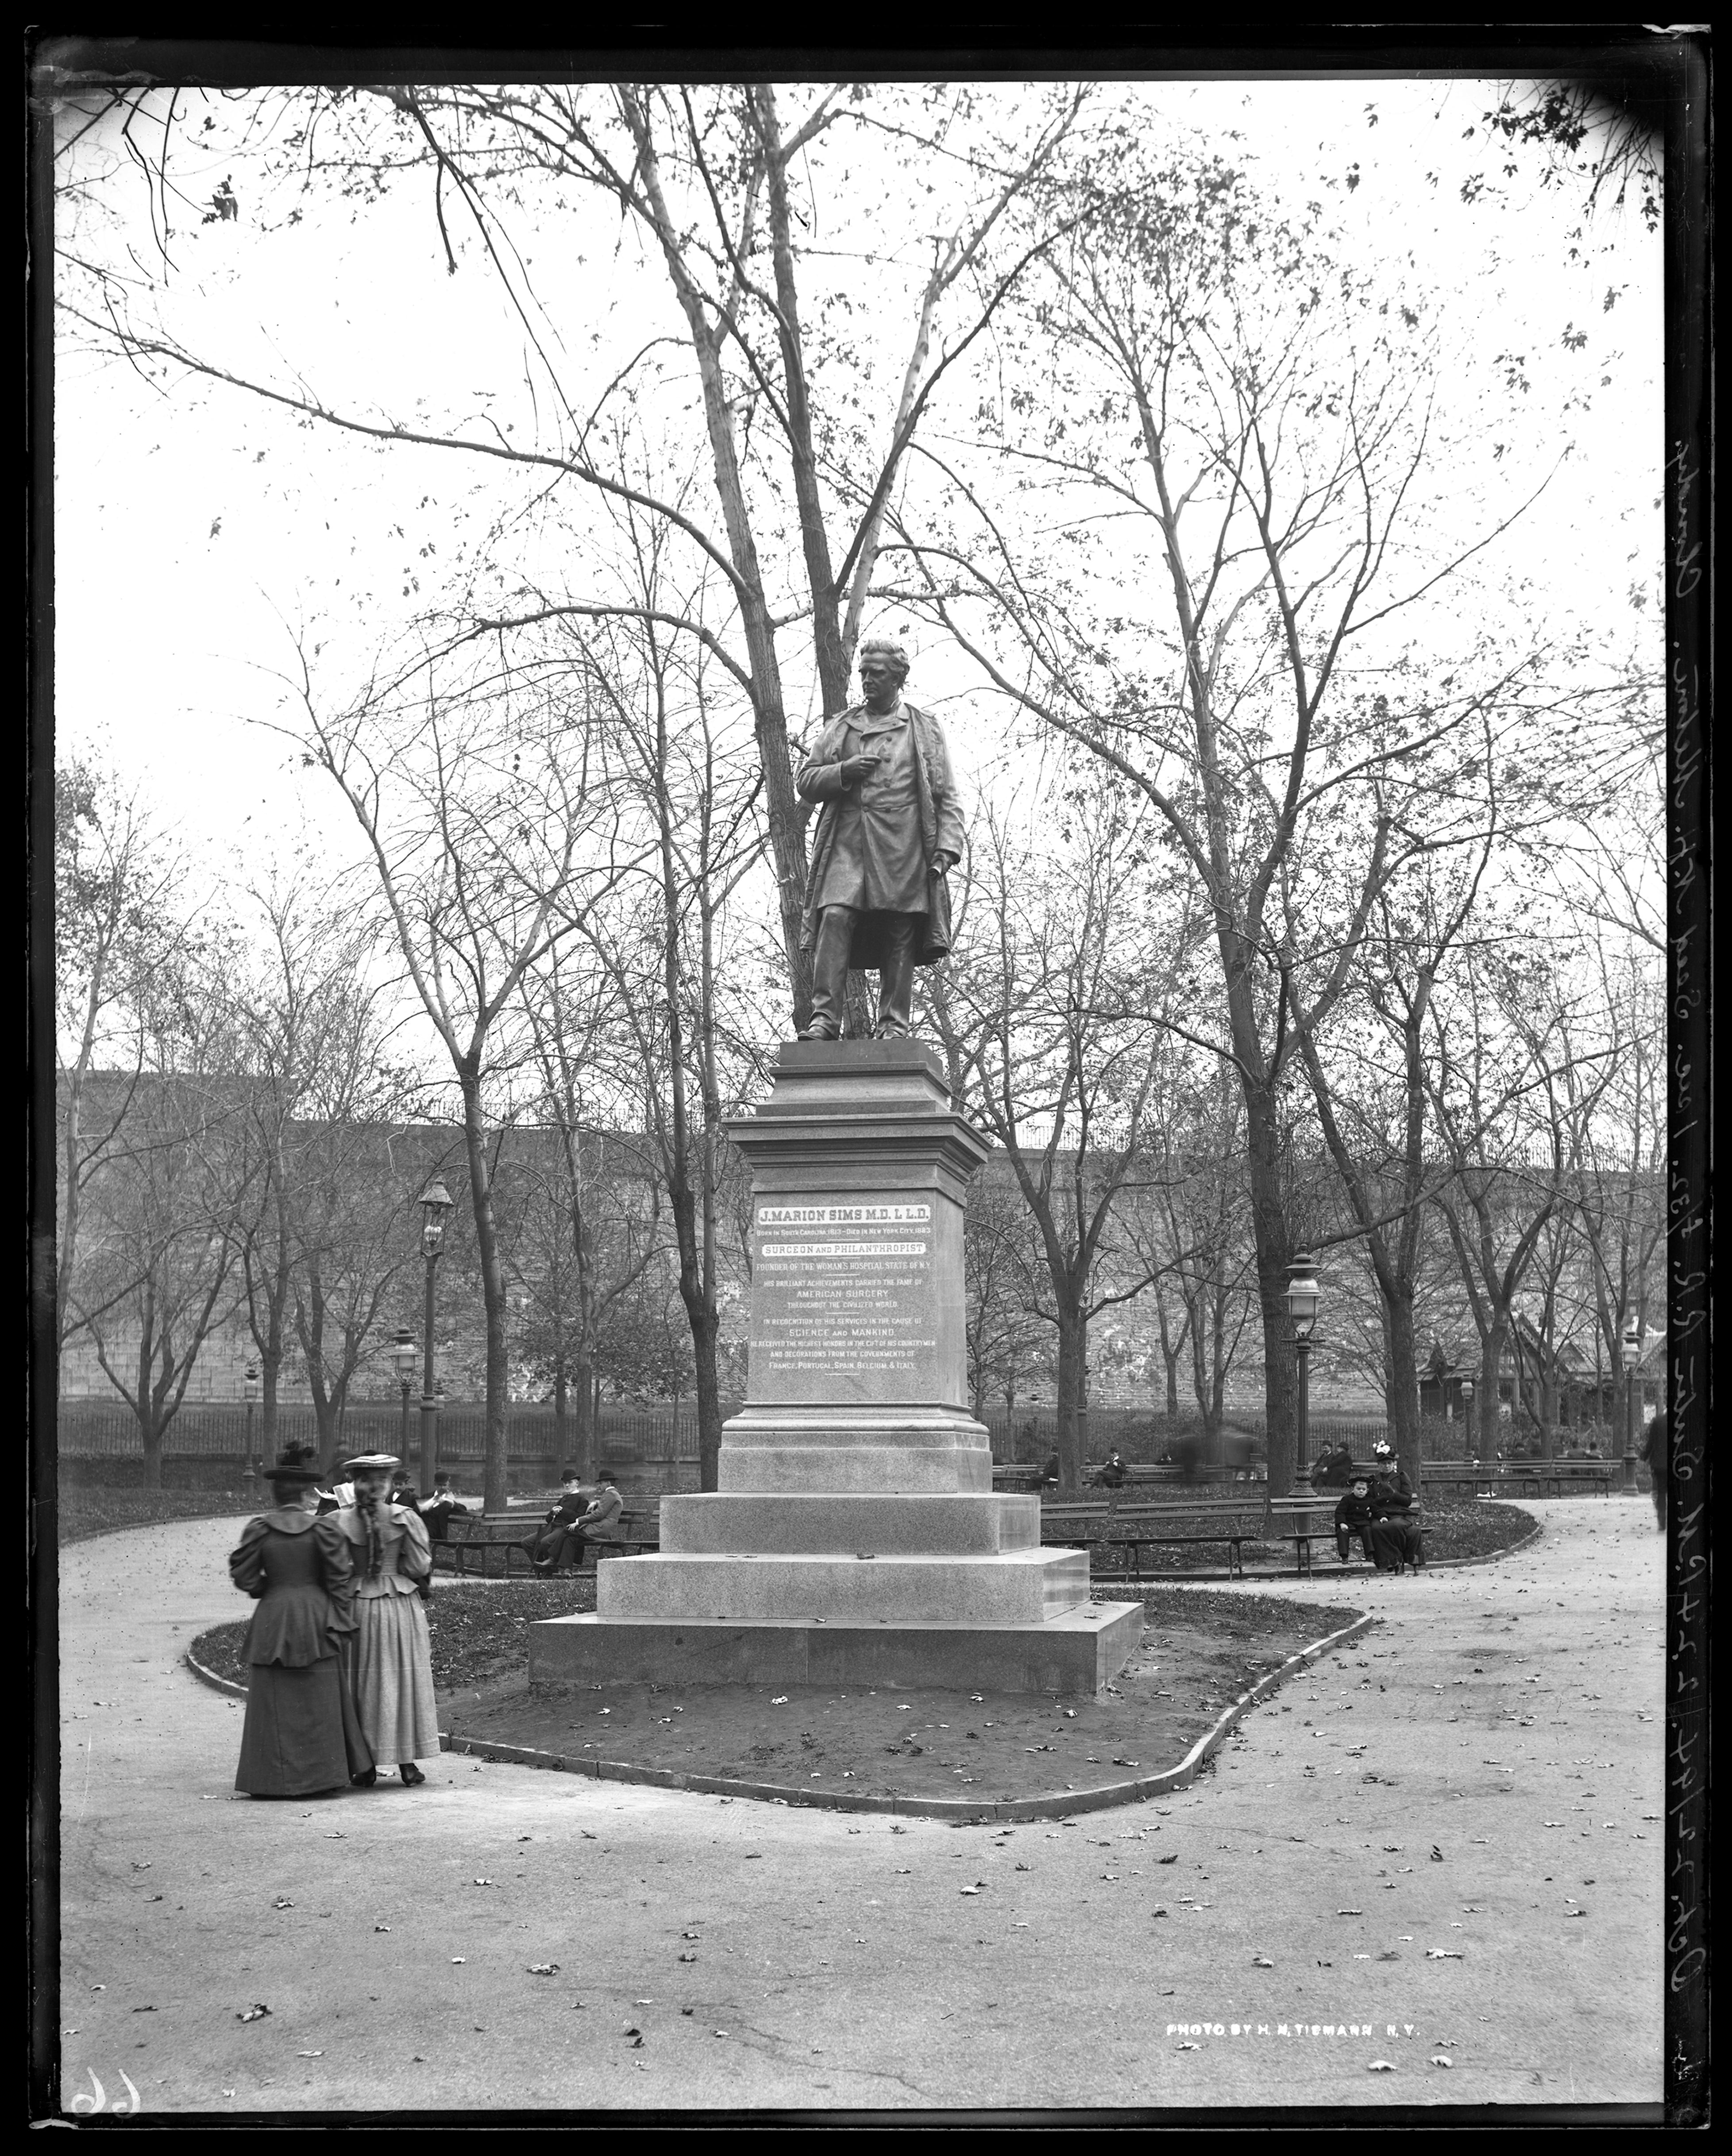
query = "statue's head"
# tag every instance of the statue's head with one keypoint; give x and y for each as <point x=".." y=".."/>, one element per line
<point x="883" y="667"/>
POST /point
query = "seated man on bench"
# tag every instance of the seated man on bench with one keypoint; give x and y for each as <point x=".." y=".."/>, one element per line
<point x="437" y="1511"/>
<point x="549" y="1545"/>
<point x="579" y="1521"/>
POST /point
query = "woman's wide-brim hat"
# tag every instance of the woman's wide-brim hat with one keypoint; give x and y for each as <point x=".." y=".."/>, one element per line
<point x="295" y="1467"/>
<point x="371" y="1463"/>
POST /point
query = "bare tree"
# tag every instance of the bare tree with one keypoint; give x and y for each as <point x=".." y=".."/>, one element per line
<point x="1511" y="1096"/>
<point x="1238" y="429"/>
<point x="693" y="795"/>
<point x="1054" y="1047"/>
<point x="313" y="1051"/>
<point x="483" y="802"/>
<point x="724" y="192"/>
<point x="165" y="1216"/>
<point x="584" y="1214"/>
<point x="122" y="926"/>
<point x="1008" y="1342"/>
<point x="1187" y="1219"/>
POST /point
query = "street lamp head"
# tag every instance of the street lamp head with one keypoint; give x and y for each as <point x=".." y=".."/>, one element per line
<point x="435" y="1204"/>
<point x="1467" y="1389"/>
<point x="1630" y="1347"/>
<point x="402" y="1353"/>
<point x="251" y="1382"/>
<point x="1303" y="1295"/>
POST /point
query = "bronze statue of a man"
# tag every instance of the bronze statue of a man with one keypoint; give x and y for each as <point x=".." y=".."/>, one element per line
<point x="889" y="831"/>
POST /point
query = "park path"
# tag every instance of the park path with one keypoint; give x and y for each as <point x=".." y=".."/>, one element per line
<point x="1511" y="1713"/>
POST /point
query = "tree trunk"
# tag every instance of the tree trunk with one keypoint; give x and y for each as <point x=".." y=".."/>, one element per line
<point x="1273" y="1253"/>
<point x="496" y="1481"/>
<point x="584" y="1399"/>
<point x="705" y="1326"/>
<point x="1491" y="1350"/>
<point x="1072" y="1351"/>
<point x="559" y="1410"/>
<point x="1401" y="1389"/>
<point x="270" y="1367"/>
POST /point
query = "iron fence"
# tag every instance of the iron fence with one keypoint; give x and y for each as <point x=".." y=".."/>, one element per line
<point x="217" y="1429"/>
<point x="627" y="1432"/>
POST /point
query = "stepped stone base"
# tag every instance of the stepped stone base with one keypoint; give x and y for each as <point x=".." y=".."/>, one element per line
<point x="1077" y="1653"/>
<point x="935" y="1450"/>
<point x="845" y="1523"/>
<point x="1012" y="1587"/>
<point x="855" y="1538"/>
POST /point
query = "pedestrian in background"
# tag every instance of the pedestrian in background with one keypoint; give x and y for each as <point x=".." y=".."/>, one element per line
<point x="393" y="1648"/>
<point x="438" y="1510"/>
<point x="1653" y="1451"/>
<point x="341" y="1493"/>
<point x="303" y="1732"/>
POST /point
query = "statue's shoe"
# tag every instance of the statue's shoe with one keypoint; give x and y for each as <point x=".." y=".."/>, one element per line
<point x="817" y="1032"/>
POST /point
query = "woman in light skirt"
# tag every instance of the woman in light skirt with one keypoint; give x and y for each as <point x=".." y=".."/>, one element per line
<point x="392" y="1652"/>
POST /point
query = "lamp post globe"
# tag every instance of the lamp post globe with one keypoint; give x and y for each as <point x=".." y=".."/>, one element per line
<point x="435" y="1204"/>
<point x="1302" y="1298"/>
<point x="403" y="1358"/>
<point x="1630" y="1354"/>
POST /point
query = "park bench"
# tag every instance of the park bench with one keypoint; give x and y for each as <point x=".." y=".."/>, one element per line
<point x="1475" y="1481"/>
<point x="1578" y="1474"/>
<point x="1016" y="1478"/>
<point x="1303" y="1521"/>
<point x="481" y="1543"/>
<point x="1134" y="1526"/>
<point x="1538" y="1478"/>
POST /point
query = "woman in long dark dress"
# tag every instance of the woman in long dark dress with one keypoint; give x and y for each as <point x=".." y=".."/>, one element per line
<point x="393" y="1649"/>
<point x="303" y="1732"/>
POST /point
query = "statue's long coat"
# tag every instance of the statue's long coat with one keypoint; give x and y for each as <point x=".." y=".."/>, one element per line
<point x="940" y="827"/>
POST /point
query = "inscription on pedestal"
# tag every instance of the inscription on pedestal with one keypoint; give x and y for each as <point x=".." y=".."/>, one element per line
<point x="842" y="1302"/>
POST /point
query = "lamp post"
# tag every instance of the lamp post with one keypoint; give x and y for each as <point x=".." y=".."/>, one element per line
<point x="1302" y="1301"/>
<point x="402" y="1355"/>
<point x="250" y="1386"/>
<point x="1630" y="1354"/>
<point x="1467" y="1417"/>
<point x="435" y="1204"/>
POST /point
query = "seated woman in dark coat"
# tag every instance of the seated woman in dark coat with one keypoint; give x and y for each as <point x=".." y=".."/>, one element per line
<point x="1397" y="1531"/>
<point x="303" y="1732"/>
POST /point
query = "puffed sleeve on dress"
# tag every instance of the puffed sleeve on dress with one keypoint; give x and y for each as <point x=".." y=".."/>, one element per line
<point x="416" y="1561"/>
<point x="336" y="1555"/>
<point x="246" y="1564"/>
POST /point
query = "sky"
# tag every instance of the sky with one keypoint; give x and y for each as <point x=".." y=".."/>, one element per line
<point x="199" y="530"/>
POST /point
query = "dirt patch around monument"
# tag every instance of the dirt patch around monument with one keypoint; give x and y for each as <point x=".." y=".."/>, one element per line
<point x="1200" y="1652"/>
<point x="478" y="1630"/>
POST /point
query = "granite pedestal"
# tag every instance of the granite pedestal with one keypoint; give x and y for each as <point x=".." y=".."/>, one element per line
<point x="855" y="1538"/>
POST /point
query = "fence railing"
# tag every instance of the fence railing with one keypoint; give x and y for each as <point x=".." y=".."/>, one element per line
<point x="218" y="1430"/>
<point x="1023" y="1436"/>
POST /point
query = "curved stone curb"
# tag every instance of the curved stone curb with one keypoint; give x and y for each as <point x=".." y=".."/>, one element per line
<point x="210" y="1677"/>
<point x="1055" y="1805"/>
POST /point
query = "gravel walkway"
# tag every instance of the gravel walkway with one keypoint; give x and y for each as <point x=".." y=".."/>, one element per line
<point x="1507" y="1718"/>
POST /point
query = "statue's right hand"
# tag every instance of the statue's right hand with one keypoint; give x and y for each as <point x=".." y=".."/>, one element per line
<point x="854" y="769"/>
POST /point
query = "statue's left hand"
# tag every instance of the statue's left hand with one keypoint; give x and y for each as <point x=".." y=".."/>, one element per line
<point x="943" y="863"/>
